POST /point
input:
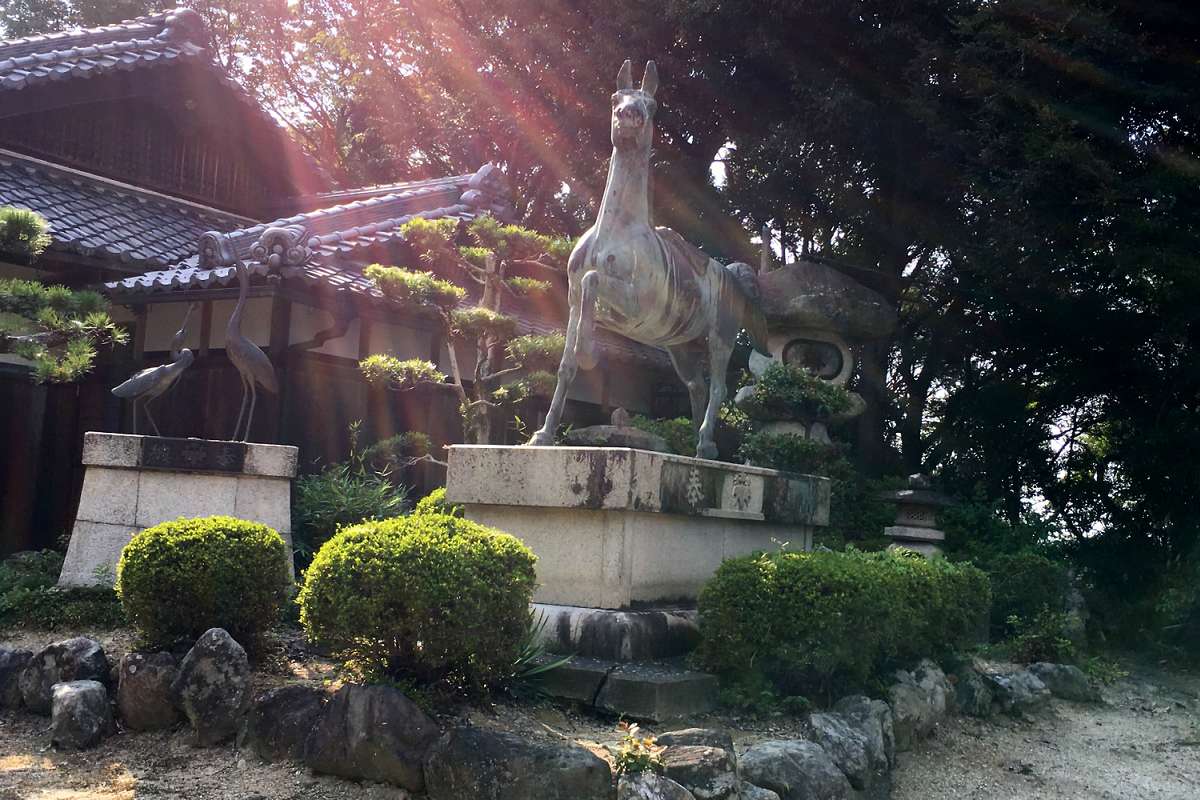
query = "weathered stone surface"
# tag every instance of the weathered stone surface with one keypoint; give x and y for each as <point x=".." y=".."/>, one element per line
<point x="972" y="694"/>
<point x="704" y="737"/>
<point x="709" y="773"/>
<point x="1066" y="681"/>
<point x="846" y="745"/>
<point x="619" y="635"/>
<point x="795" y="770"/>
<point x="80" y="715"/>
<point x="1019" y="692"/>
<point x="213" y="686"/>
<point x="616" y="436"/>
<point x="12" y="663"/>
<point x="474" y="764"/>
<point x="281" y="720"/>
<point x="918" y="700"/>
<point x="77" y="659"/>
<point x="874" y="719"/>
<point x="650" y="786"/>
<point x="144" y="698"/>
<point x="656" y="692"/>
<point x="372" y="733"/>
<point x="751" y="792"/>
<point x="808" y="294"/>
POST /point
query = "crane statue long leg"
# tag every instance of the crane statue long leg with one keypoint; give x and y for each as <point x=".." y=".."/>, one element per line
<point x="249" y="359"/>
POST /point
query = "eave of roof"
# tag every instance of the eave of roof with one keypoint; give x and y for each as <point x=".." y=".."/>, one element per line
<point x="97" y="217"/>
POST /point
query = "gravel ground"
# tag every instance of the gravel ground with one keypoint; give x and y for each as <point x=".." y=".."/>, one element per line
<point x="1144" y="742"/>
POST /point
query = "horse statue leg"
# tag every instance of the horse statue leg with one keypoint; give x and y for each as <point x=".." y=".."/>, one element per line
<point x="689" y="366"/>
<point x="578" y="339"/>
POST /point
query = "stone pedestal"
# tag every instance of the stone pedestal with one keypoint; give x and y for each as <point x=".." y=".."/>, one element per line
<point x="616" y="528"/>
<point x="134" y="482"/>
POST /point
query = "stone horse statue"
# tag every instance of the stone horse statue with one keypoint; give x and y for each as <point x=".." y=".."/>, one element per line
<point x="650" y="285"/>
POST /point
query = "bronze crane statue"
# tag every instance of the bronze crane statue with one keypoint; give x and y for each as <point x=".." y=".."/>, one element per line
<point x="153" y="382"/>
<point x="251" y="362"/>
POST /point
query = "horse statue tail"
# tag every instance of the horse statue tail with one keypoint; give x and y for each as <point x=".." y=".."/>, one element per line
<point x="748" y="308"/>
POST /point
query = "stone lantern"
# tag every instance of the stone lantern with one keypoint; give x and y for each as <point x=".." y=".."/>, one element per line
<point x="817" y="312"/>
<point x="917" y="508"/>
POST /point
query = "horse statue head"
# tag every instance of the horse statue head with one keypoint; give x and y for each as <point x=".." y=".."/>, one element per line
<point x="633" y="109"/>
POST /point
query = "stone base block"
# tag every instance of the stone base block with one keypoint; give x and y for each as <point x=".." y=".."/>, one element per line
<point x="614" y="528"/>
<point x="656" y="692"/>
<point x="926" y="541"/>
<point x="134" y="482"/>
<point x="645" y="635"/>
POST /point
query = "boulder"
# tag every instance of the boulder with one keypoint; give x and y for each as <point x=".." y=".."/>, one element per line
<point x="918" y="700"/>
<point x="372" y="733"/>
<point x="874" y="719"/>
<point x="281" y="720"/>
<point x="795" y="770"/>
<point x="78" y="659"/>
<point x="80" y="715"/>
<point x="847" y="746"/>
<point x="1066" y="681"/>
<point x="213" y="687"/>
<point x="697" y="736"/>
<point x="752" y="792"/>
<point x="474" y="764"/>
<point x="144" y="698"/>
<point x="709" y="773"/>
<point x="1019" y="692"/>
<point x="12" y="663"/>
<point x="972" y="694"/>
<point x="650" y="786"/>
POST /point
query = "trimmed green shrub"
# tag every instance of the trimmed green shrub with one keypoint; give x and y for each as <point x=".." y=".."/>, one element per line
<point x="178" y="579"/>
<point x="679" y="432"/>
<point x="340" y="495"/>
<point x="435" y="503"/>
<point x="789" y="392"/>
<point x="815" y="624"/>
<point x="428" y="599"/>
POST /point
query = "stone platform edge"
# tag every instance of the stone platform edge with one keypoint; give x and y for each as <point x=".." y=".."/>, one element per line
<point x="134" y="451"/>
<point x="625" y="479"/>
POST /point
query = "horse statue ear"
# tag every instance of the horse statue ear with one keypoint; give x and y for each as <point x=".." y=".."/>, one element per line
<point x="625" y="76"/>
<point x="650" y="79"/>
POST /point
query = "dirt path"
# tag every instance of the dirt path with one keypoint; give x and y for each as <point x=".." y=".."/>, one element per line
<point x="1143" y="743"/>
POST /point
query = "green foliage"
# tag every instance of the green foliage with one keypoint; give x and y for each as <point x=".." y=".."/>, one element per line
<point x="1039" y="638"/>
<point x="815" y="624"/>
<point x="679" y="432"/>
<point x="435" y="503"/>
<point x="431" y="598"/>
<point x="54" y="327"/>
<point x="391" y="454"/>
<point x="790" y="452"/>
<point x="516" y="243"/>
<point x="635" y="753"/>
<point x="30" y="599"/>
<point x="23" y="233"/>
<point x="787" y="392"/>
<point x="407" y="286"/>
<point x="1023" y="584"/>
<point x="347" y="493"/>
<point x="472" y="323"/>
<point x="544" y="349"/>
<point x="527" y="287"/>
<point x="532" y="662"/>
<point x="1101" y="669"/>
<point x="178" y="579"/>
<point x="399" y="374"/>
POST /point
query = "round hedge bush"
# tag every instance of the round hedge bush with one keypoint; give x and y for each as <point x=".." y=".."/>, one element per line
<point x="431" y="598"/>
<point x="178" y="579"/>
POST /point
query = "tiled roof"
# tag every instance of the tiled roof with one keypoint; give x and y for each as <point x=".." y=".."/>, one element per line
<point x="175" y="35"/>
<point x="94" y="216"/>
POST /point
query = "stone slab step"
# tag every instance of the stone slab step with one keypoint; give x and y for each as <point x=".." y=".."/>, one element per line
<point x="652" y="691"/>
